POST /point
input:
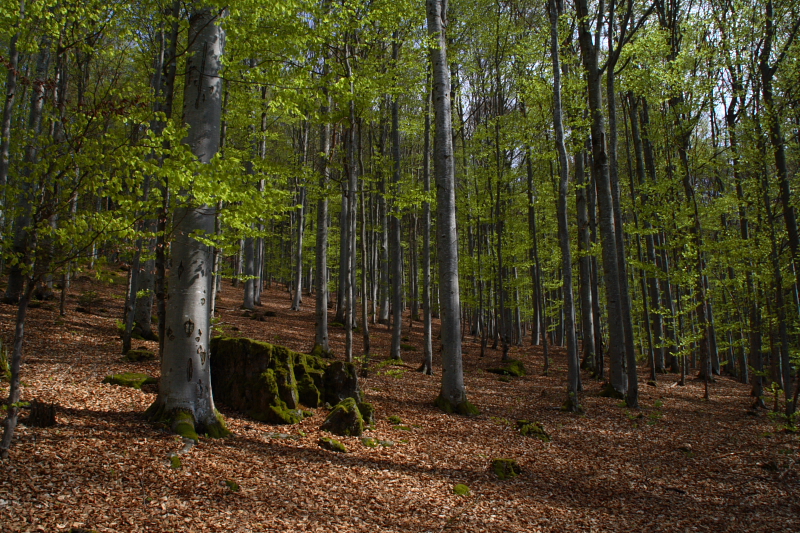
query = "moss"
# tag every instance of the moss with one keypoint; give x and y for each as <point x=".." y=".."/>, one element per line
<point x="403" y="428"/>
<point x="367" y="411"/>
<point x="332" y="445"/>
<point x="130" y="379"/>
<point x="232" y="485"/>
<point x="175" y="461"/>
<point x="461" y="490"/>
<point x="506" y="468"/>
<point x="504" y="379"/>
<point x="533" y="429"/>
<point x="218" y="429"/>
<point x="345" y="419"/>
<point x="408" y="347"/>
<point x="183" y="424"/>
<point x="369" y="442"/>
<point x="139" y="355"/>
<point x="514" y="367"/>
<point x="464" y="408"/>
<point x="319" y="351"/>
<point x="394" y="419"/>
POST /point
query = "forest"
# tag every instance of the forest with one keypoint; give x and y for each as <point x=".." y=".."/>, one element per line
<point x="345" y="265"/>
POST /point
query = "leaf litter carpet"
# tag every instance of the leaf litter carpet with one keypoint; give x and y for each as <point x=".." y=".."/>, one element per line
<point x="678" y="464"/>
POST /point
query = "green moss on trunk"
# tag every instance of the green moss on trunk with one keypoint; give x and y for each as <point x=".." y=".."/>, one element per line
<point x="464" y="408"/>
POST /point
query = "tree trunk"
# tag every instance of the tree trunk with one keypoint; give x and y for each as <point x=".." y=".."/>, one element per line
<point x="573" y="365"/>
<point x="453" y="395"/>
<point x="396" y="231"/>
<point x="184" y="399"/>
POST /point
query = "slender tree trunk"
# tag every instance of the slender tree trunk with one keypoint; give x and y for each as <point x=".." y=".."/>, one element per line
<point x="573" y="364"/>
<point x="8" y="111"/>
<point x="585" y="264"/>
<point x="453" y="395"/>
<point x="427" y="341"/>
<point x="321" y="311"/>
<point x="396" y="231"/>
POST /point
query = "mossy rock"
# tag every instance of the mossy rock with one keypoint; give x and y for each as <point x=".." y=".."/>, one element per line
<point x="506" y="468"/>
<point x="408" y="347"/>
<point x="139" y="355"/>
<point x="386" y="443"/>
<point x="394" y="419"/>
<point x="175" y="461"/>
<point x="232" y="485"/>
<point x="341" y="382"/>
<point x="514" y="367"/>
<point x="504" y="379"/>
<point x="464" y="408"/>
<point x="461" y="490"/>
<point x="367" y="411"/>
<point x="533" y="429"/>
<point x="345" y="419"/>
<point x="130" y="379"/>
<point x="369" y="442"/>
<point x="332" y="445"/>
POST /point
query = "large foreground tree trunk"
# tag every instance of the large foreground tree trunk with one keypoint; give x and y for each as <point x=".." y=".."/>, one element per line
<point x="184" y="399"/>
<point x="453" y="394"/>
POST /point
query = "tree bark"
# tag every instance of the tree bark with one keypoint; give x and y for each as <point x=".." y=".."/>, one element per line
<point x="184" y="399"/>
<point x="453" y="394"/>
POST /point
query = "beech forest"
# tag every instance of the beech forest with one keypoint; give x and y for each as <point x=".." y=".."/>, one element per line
<point x="395" y="266"/>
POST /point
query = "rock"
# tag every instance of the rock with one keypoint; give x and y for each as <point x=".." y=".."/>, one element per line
<point x="386" y="443"/>
<point x="140" y="354"/>
<point x="130" y="379"/>
<point x="319" y="351"/>
<point x="394" y="419"/>
<point x="345" y="419"/>
<point x="367" y="411"/>
<point x="513" y="367"/>
<point x="506" y="468"/>
<point x="532" y="429"/>
<point x="332" y="445"/>
<point x="269" y="382"/>
<point x="461" y="490"/>
<point x="369" y="442"/>
<point x="341" y="382"/>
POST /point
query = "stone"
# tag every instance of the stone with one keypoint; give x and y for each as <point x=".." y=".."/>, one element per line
<point x="514" y="367"/>
<point x="532" y="429"/>
<point x="367" y="411"/>
<point x="506" y="468"/>
<point x="341" y="382"/>
<point x="140" y="354"/>
<point x="129" y="379"/>
<point x="345" y="419"/>
<point x="332" y="445"/>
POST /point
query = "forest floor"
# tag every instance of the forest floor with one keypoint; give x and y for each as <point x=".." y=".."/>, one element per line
<point x="678" y="464"/>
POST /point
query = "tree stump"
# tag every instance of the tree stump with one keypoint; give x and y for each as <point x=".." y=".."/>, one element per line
<point x="43" y="415"/>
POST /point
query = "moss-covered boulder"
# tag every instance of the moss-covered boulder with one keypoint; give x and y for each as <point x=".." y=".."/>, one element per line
<point x="140" y="354"/>
<point x="345" y="419"/>
<point x="332" y="445"/>
<point x="341" y="382"/>
<point x="514" y="367"/>
<point x="532" y="429"/>
<point x="269" y="382"/>
<point x="130" y="379"/>
<point x="506" y="468"/>
<point x="461" y="490"/>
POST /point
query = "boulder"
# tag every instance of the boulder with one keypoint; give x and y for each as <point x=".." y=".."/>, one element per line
<point x="514" y="367"/>
<point x="341" y="382"/>
<point x="129" y="379"/>
<point x="270" y="383"/>
<point x="345" y="419"/>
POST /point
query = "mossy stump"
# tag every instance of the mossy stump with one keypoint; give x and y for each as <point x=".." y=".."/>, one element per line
<point x="506" y="468"/>
<point x="331" y="444"/>
<point x="130" y="379"/>
<point x="345" y="419"/>
<point x="464" y="408"/>
<point x="514" y="367"/>
<point x="533" y="429"/>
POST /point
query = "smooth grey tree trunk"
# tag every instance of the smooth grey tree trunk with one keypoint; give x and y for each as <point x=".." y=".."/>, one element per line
<point x="250" y="273"/>
<point x="8" y="109"/>
<point x="184" y="399"/>
<point x="573" y="364"/>
<point x="427" y="341"/>
<point x="453" y="394"/>
<point x="585" y="264"/>
<point x="321" y="311"/>
<point x="395" y="230"/>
